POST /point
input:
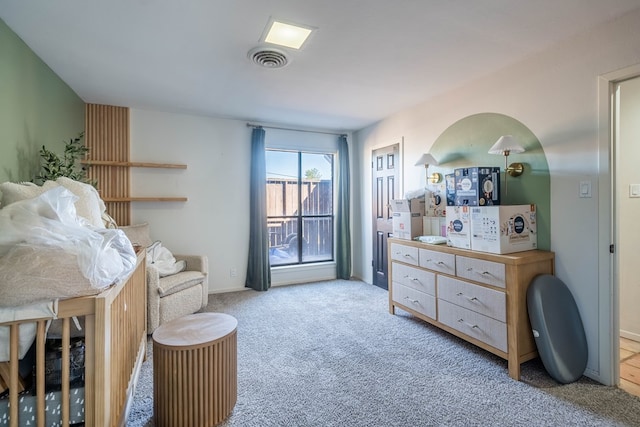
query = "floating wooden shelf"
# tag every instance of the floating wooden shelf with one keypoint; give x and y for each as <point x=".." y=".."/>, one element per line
<point x="144" y="199"/>
<point x="137" y="165"/>
<point x="133" y="164"/>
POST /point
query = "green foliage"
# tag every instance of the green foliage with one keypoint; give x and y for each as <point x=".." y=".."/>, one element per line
<point x="312" y="174"/>
<point x="53" y="166"/>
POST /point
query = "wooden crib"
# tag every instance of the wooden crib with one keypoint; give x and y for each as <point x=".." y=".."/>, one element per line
<point x="115" y="339"/>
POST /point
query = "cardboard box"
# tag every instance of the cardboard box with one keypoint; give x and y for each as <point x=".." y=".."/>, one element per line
<point x="407" y="218"/>
<point x="477" y="186"/>
<point x="435" y="204"/>
<point x="459" y="227"/>
<point x="504" y="229"/>
<point x="450" y="188"/>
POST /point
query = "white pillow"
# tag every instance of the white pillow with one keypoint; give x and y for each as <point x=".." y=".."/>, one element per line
<point x="138" y="234"/>
<point x="89" y="204"/>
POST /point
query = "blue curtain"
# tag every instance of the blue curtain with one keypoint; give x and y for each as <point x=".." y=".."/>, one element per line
<point x="343" y="230"/>
<point x="258" y="268"/>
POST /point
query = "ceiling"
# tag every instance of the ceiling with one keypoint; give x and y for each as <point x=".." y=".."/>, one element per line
<point x="367" y="60"/>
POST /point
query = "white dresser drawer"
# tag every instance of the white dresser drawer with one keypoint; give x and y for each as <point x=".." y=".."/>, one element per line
<point x="483" y="328"/>
<point x="408" y="254"/>
<point x="438" y="261"/>
<point x="491" y="273"/>
<point x="415" y="300"/>
<point x="413" y="277"/>
<point x="483" y="300"/>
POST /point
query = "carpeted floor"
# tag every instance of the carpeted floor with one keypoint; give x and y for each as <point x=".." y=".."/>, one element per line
<point x="330" y="354"/>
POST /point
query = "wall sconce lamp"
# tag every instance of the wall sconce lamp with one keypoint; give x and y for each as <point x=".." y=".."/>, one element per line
<point x="504" y="146"/>
<point x="426" y="160"/>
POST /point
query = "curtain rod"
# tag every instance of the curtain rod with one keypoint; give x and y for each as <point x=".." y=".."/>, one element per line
<point x="295" y="130"/>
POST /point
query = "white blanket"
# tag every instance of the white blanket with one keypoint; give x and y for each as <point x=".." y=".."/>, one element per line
<point x="163" y="260"/>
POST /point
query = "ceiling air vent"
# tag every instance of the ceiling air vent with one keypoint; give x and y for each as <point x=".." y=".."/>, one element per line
<point x="268" y="57"/>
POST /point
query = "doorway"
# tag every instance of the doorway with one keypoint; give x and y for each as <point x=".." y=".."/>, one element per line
<point x="608" y="346"/>
<point x="626" y="208"/>
<point x="385" y="178"/>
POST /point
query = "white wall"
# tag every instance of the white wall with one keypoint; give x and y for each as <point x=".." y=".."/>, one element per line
<point x="555" y="94"/>
<point x="215" y="219"/>
<point x="628" y="209"/>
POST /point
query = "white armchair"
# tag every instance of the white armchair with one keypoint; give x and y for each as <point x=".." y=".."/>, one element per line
<point x="182" y="293"/>
<point x="176" y="295"/>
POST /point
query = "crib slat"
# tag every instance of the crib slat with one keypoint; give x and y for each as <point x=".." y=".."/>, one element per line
<point x="13" y="376"/>
<point x="65" y="371"/>
<point x="89" y="370"/>
<point x="102" y="361"/>
<point x="5" y="375"/>
<point x="40" y="352"/>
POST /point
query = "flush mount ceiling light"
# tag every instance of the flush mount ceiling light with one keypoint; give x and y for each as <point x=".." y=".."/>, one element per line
<point x="286" y="34"/>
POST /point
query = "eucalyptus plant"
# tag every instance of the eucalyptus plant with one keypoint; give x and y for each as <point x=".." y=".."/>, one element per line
<point x="54" y="166"/>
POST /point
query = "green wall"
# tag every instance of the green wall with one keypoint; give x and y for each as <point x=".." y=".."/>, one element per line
<point x="36" y="108"/>
<point x="467" y="143"/>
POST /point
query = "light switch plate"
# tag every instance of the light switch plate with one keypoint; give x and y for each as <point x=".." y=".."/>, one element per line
<point x="585" y="189"/>
<point x="634" y="190"/>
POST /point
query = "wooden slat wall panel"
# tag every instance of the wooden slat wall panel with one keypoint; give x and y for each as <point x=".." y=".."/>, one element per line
<point x="107" y="136"/>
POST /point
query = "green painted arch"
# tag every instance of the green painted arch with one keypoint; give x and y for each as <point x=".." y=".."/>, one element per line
<point x="467" y="142"/>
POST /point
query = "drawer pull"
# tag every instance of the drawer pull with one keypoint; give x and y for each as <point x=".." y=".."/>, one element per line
<point x="484" y="273"/>
<point x="460" y="294"/>
<point x="415" y="301"/>
<point x="468" y="324"/>
<point x="406" y="255"/>
<point x="413" y="279"/>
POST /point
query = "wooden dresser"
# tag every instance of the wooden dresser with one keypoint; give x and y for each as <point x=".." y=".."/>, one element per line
<point x="477" y="296"/>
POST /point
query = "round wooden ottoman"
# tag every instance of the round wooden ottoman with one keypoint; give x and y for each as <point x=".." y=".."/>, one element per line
<point x="195" y="370"/>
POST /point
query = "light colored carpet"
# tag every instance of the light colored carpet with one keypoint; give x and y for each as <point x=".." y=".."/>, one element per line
<point x="330" y="354"/>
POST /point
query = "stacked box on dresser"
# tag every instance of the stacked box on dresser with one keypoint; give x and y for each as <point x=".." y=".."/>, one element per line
<point x="504" y="229"/>
<point x="458" y="227"/>
<point x="407" y="217"/>
<point x="479" y="222"/>
<point x="477" y="186"/>
<point x="495" y="229"/>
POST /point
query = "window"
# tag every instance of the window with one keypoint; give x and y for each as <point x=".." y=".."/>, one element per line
<point x="299" y="207"/>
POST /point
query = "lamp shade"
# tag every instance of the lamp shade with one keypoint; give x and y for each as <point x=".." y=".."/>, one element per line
<point x="427" y="159"/>
<point x="505" y="145"/>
